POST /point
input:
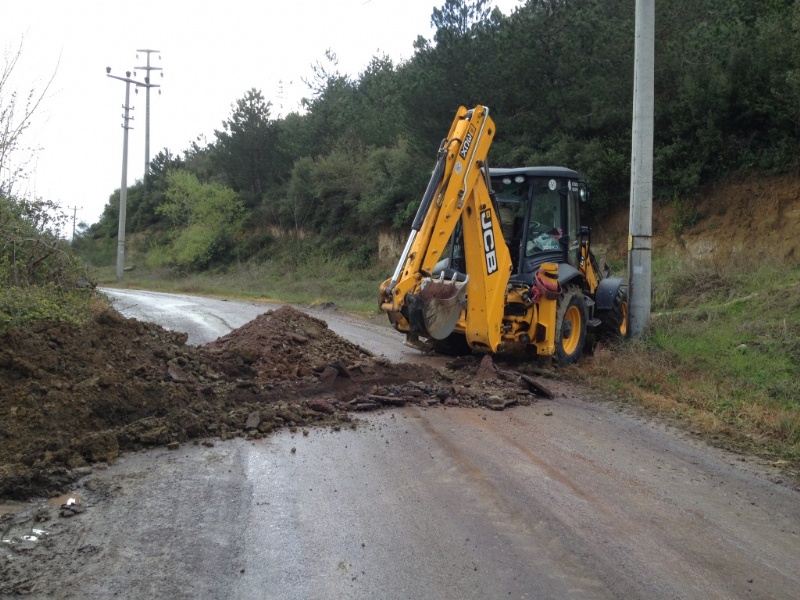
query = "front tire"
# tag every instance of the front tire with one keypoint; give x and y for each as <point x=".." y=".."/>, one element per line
<point x="454" y="344"/>
<point x="570" y="326"/>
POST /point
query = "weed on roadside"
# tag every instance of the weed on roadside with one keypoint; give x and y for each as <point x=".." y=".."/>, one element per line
<point x="722" y="354"/>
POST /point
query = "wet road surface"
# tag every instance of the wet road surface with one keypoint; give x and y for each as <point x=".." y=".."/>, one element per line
<point x="567" y="498"/>
<point x="205" y="319"/>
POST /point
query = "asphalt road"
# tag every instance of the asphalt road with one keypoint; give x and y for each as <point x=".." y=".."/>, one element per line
<point x="205" y="319"/>
<point x="567" y="498"/>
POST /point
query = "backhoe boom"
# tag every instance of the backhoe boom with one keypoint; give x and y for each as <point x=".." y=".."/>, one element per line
<point x="458" y="190"/>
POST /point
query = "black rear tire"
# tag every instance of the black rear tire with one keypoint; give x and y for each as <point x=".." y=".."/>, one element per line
<point x="614" y="321"/>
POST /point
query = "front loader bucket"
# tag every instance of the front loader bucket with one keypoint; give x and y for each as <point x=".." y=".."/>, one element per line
<point x="438" y="304"/>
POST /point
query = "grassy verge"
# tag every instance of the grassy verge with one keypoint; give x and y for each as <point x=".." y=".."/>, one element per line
<point x="316" y="282"/>
<point x="722" y="354"/>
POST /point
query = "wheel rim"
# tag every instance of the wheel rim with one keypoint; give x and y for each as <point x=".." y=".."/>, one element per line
<point x="623" y="327"/>
<point x="571" y="330"/>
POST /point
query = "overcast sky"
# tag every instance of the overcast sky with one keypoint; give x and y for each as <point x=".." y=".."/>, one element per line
<point x="211" y="53"/>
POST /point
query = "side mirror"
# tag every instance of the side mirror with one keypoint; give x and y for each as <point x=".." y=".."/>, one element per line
<point x="583" y="190"/>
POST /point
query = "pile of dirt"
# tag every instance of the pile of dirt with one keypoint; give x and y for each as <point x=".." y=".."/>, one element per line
<point x="285" y="345"/>
<point x="75" y="395"/>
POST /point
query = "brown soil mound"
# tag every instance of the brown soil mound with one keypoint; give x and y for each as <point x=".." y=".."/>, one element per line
<point x="74" y="395"/>
<point x="286" y="344"/>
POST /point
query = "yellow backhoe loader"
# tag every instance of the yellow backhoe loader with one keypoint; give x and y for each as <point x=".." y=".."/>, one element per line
<point x="499" y="259"/>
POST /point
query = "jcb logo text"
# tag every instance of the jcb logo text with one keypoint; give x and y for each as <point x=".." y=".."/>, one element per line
<point x="489" y="248"/>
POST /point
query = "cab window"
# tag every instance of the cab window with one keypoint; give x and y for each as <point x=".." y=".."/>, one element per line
<point x="545" y="223"/>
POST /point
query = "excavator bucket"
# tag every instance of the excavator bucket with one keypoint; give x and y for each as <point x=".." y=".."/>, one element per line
<point x="442" y="303"/>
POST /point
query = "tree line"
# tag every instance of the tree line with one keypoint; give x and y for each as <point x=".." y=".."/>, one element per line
<point x="557" y="76"/>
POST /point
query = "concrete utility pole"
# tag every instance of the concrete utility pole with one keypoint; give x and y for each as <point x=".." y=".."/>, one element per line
<point x="75" y="210"/>
<point x="148" y="85"/>
<point x="123" y="188"/>
<point x="640" y="239"/>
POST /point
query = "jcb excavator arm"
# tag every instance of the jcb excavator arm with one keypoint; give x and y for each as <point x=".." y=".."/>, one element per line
<point x="418" y="302"/>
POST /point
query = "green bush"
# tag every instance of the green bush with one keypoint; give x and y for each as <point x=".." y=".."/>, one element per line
<point x="32" y="252"/>
<point x="205" y="220"/>
<point x="21" y="307"/>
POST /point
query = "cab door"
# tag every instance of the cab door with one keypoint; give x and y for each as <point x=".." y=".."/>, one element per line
<point x="573" y="218"/>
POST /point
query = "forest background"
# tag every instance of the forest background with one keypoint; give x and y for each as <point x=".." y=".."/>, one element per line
<point x="557" y="76"/>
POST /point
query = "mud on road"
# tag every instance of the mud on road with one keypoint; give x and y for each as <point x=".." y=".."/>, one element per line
<point x="565" y="493"/>
<point x="73" y="396"/>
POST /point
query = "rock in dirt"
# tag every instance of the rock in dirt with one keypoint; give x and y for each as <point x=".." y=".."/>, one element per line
<point x="537" y="386"/>
<point x="487" y="371"/>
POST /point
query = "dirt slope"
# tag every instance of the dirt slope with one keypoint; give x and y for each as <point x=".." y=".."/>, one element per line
<point x="756" y="217"/>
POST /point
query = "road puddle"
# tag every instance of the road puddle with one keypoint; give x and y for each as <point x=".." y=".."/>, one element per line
<point x="19" y="534"/>
<point x="70" y="499"/>
<point x="34" y="536"/>
<point x="9" y="508"/>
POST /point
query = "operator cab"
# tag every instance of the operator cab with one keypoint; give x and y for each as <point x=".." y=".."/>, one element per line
<point x="540" y="213"/>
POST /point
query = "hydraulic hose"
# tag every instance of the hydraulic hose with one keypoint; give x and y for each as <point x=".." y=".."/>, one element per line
<point x="427" y="197"/>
